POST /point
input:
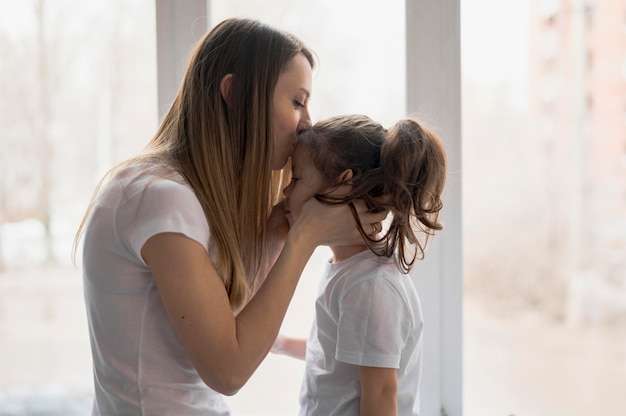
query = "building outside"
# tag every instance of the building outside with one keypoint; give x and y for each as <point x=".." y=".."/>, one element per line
<point x="578" y="104"/>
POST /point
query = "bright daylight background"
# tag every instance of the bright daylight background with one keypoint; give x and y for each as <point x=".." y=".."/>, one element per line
<point x="544" y="184"/>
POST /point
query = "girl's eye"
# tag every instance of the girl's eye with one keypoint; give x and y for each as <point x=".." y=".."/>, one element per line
<point x="293" y="179"/>
<point x="298" y="104"/>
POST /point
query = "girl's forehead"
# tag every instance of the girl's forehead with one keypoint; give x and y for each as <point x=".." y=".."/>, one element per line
<point x="301" y="159"/>
<point x="300" y="153"/>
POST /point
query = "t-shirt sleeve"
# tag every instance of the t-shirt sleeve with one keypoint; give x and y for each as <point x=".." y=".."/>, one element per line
<point x="373" y="325"/>
<point x="165" y="206"/>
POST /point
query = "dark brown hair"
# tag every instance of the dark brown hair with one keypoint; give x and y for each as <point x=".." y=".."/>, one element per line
<point x="402" y="170"/>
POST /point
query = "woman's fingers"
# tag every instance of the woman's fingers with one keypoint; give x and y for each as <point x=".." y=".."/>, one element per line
<point x="336" y="225"/>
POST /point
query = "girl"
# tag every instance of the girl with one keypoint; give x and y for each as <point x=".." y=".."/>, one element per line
<point x="179" y="238"/>
<point x="363" y="354"/>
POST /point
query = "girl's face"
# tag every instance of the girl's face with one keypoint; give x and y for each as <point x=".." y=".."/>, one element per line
<point x="290" y="111"/>
<point x="306" y="182"/>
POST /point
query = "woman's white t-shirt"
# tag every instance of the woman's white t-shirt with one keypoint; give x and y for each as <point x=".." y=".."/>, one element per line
<point x="139" y="365"/>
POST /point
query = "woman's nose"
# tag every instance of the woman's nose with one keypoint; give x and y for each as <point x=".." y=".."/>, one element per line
<point x="305" y="123"/>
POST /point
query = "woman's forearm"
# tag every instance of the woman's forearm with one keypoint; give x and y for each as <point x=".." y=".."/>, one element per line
<point x="260" y="320"/>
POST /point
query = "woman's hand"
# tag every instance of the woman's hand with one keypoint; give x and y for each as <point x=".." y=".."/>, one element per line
<point x="335" y="225"/>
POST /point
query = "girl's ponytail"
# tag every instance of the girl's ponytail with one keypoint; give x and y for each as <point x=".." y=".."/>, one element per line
<point x="413" y="163"/>
<point x="402" y="170"/>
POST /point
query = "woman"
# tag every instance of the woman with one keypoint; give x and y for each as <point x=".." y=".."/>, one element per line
<point x="179" y="238"/>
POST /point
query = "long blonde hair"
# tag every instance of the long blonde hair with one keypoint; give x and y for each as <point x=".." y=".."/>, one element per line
<point x="224" y="149"/>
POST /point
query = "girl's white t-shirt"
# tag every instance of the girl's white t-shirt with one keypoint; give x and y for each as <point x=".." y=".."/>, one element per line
<point x="139" y="365"/>
<point x="367" y="314"/>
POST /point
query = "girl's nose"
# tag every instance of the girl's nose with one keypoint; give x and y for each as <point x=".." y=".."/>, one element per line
<point x="287" y="190"/>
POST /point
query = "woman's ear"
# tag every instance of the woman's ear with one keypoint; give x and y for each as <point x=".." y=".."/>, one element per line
<point x="225" y="87"/>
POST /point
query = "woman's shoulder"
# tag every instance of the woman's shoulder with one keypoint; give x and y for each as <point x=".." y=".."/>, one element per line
<point x="146" y="173"/>
<point x="154" y="199"/>
<point x="129" y="184"/>
<point x="134" y="178"/>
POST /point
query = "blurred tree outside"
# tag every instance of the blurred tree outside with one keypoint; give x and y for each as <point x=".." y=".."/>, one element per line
<point x="33" y="75"/>
<point x="78" y="82"/>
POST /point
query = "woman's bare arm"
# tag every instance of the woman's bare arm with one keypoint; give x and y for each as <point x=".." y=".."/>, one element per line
<point x="226" y="349"/>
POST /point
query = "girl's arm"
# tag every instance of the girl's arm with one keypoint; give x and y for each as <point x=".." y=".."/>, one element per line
<point x="292" y="347"/>
<point x="379" y="391"/>
<point x="226" y="349"/>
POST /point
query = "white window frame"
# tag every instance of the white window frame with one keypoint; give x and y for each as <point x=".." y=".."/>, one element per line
<point x="179" y="24"/>
<point x="433" y="88"/>
<point x="433" y="42"/>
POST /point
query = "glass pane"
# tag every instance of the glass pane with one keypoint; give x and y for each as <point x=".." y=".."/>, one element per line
<point x="78" y="86"/>
<point x="544" y="206"/>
